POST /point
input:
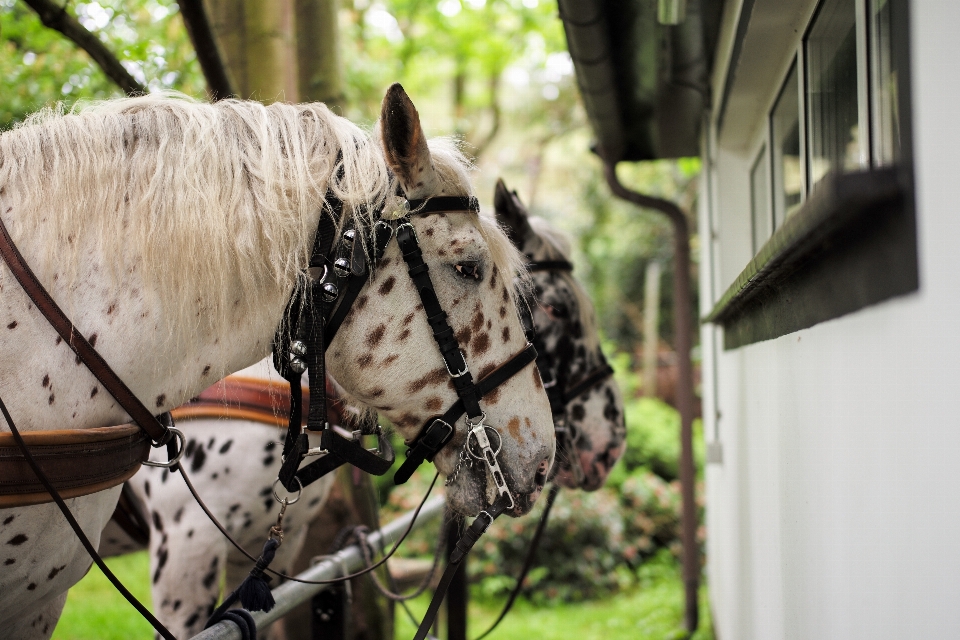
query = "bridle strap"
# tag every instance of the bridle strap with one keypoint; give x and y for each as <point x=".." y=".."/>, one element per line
<point x="441" y="430"/>
<point x="85" y="352"/>
<point x="442" y="204"/>
<point x="549" y="265"/>
<point x="443" y="333"/>
<point x="593" y="379"/>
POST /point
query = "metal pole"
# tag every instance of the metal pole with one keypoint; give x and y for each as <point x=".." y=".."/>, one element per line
<point x="290" y="594"/>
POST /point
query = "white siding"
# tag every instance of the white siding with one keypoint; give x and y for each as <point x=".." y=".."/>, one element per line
<point x="836" y="510"/>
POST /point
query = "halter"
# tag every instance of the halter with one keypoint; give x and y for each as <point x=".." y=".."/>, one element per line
<point x="338" y="271"/>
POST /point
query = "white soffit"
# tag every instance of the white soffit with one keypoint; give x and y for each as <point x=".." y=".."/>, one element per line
<point x="767" y="51"/>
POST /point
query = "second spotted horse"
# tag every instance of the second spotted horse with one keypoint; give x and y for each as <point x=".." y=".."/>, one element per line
<point x="586" y="402"/>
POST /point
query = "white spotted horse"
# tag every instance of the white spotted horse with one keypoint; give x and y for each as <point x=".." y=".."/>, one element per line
<point x="233" y="447"/>
<point x="165" y="236"/>
<point x="586" y="401"/>
<point x="217" y="453"/>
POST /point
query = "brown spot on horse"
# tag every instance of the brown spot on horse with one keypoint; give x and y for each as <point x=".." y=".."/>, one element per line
<point x="376" y="335"/>
<point x="434" y="403"/>
<point x="435" y="377"/>
<point x="480" y="344"/>
<point x="506" y="334"/>
<point x="387" y="286"/>
<point x="514" y="428"/>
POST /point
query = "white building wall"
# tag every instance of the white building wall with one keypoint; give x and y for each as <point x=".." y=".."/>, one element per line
<point x="835" y="512"/>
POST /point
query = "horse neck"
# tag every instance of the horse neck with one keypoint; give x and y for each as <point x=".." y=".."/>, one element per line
<point x="46" y="387"/>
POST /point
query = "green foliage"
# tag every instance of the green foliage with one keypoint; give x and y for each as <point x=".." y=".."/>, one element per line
<point x="39" y="66"/>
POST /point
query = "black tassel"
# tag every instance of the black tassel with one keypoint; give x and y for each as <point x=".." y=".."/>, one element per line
<point x="254" y="591"/>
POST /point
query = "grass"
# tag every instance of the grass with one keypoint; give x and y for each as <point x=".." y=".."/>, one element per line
<point x="650" y="610"/>
<point x="95" y="610"/>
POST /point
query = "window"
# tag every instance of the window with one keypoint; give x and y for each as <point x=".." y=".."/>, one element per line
<point x="834" y="127"/>
<point x="785" y="143"/>
<point x="831" y="188"/>
<point x="760" y="200"/>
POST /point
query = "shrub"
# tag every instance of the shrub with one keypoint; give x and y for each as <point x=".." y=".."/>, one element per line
<point x="578" y="556"/>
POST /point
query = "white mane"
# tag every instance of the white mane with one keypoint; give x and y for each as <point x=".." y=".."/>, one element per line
<point x="223" y="192"/>
<point x="556" y="245"/>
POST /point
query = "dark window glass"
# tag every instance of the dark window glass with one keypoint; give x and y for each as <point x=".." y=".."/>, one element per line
<point x="785" y="145"/>
<point x="760" y="201"/>
<point x="832" y="105"/>
<point x="886" y="114"/>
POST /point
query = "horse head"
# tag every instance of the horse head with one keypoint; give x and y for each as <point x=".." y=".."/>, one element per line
<point x="386" y="356"/>
<point x="588" y="407"/>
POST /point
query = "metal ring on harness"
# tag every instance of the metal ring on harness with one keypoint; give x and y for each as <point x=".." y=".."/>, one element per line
<point x="287" y="501"/>
<point x="176" y="459"/>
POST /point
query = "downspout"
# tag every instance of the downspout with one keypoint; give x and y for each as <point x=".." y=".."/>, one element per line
<point x="683" y="330"/>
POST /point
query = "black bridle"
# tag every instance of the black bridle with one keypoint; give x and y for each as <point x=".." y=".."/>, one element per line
<point x="338" y="271"/>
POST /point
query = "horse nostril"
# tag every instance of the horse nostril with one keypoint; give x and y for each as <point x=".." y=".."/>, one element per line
<point x="542" y="470"/>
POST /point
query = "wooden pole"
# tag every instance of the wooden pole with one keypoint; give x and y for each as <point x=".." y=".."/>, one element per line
<point x="683" y="328"/>
<point x="651" y="322"/>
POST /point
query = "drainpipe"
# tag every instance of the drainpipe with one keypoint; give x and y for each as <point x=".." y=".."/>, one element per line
<point x="683" y="330"/>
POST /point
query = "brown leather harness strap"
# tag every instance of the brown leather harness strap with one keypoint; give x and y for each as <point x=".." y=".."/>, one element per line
<point x="84" y="350"/>
<point x="253" y="399"/>
<point x="77" y="461"/>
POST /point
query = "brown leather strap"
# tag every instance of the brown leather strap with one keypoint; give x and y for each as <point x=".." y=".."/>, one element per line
<point x="254" y="399"/>
<point x="78" y="462"/>
<point x="84" y="350"/>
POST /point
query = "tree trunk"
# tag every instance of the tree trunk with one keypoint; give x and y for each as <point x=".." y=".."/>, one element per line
<point x="259" y="45"/>
<point x="651" y="320"/>
<point x="318" y="53"/>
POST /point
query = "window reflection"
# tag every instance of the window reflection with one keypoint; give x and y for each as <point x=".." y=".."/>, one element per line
<point x="886" y="115"/>
<point x="759" y="201"/>
<point x="832" y="95"/>
<point x="785" y="144"/>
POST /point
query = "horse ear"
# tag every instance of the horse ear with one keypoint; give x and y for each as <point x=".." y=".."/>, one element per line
<point x="404" y="144"/>
<point x="511" y="214"/>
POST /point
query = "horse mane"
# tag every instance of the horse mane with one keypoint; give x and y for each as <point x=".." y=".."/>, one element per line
<point x="198" y="196"/>
<point x="556" y="245"/>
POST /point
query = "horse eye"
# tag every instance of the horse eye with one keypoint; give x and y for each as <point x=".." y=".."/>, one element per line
<point x="469" y="270"/>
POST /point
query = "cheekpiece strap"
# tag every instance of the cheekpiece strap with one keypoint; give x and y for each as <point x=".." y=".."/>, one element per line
<point x="442" y="331"/>
<point x="549" y="265"/>
<point x="439" y="204"/>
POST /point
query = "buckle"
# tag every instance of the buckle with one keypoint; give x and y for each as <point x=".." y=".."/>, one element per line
<point x="461" y="373"/>
<point x="437" y="434"/>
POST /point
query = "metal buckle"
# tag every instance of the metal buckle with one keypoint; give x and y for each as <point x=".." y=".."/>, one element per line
<point x="170" y="463"/>
<point x="466" y="368"/>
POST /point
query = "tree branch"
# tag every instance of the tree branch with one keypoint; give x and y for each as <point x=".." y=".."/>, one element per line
<point x="53" y="16"/>
<point x="208" y="55"/>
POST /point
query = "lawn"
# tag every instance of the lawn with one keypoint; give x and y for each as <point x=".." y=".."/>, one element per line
<point x="651" y="609"/>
